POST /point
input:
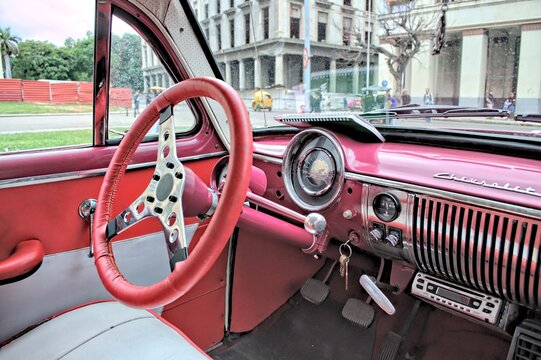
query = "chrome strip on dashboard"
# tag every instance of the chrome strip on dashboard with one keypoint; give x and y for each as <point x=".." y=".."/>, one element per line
<point x="443" y="194"/>
<point x="73" y="175"/>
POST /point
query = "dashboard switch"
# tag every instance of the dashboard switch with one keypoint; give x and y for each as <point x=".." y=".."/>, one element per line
<point x="393" y="238"/>
<point x="376" y="234"/>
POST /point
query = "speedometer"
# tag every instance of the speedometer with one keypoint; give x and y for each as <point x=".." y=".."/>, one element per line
<point x="316" y="171"/>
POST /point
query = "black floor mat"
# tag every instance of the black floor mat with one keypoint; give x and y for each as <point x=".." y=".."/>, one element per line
<point x="301" y="330"/>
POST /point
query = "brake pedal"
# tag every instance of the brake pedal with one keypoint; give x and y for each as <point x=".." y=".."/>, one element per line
<point x="358" y="312"/>
<point x="315" y="291"/>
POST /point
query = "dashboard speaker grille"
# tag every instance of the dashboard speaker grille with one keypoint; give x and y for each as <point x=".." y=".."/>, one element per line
<point x="489" y="250"/>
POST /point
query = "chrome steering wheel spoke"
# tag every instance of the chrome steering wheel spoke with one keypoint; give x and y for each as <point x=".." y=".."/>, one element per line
<point x="163" y="195"/>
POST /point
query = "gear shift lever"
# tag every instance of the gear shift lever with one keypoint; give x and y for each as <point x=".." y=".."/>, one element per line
<point x="369" y="284"/>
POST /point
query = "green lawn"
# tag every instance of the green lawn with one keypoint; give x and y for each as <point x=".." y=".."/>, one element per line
<point x="46" y="108"/>
<point x="44" y="139"/>
<point x="42" y="108"/>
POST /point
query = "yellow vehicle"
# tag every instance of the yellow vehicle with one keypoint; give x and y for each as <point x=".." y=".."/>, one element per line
<point x="262" y="100"/>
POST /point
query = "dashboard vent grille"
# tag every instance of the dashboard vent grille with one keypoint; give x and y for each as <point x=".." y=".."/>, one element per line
<point x="526" y="343"/>
<point x="489" y="250"/>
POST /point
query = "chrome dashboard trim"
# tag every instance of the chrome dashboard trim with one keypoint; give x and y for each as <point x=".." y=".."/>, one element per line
<point x="448" y="195"/>
<point x="73" y="175"/>
<point x="287" y="169"/>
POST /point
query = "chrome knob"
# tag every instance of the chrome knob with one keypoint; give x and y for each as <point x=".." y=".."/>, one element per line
<point x="315" y="223"/>
<point x="376" y="234"/>
<point x="393" y="238"/>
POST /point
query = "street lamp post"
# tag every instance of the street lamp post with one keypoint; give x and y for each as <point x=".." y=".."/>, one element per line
<point x="306" y="56"/>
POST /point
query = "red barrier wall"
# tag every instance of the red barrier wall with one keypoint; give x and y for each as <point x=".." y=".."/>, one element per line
<point x="17" y="90"/>
<point x="120" y="97"/>
<point x="85" y="92"/>
<point x="11" y="90"/>
<point x="36" y="91"/>
<point x="66" y="92"/>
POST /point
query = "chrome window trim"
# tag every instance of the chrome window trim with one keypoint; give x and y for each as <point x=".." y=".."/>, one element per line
<point x="51" y="178"/>
<point x="424" y="190"/>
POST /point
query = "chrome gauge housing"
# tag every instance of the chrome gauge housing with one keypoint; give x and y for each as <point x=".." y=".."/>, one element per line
<point x="313" y="169"/>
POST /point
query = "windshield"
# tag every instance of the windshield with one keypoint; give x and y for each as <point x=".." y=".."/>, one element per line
<point x="363" y="56"/>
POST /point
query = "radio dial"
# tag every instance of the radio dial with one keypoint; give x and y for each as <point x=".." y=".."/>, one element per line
<point x="376" y="234"/>
<point x="393" y="238"/>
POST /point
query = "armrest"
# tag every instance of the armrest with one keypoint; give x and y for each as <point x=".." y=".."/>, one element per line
<point x="26" y="256"/>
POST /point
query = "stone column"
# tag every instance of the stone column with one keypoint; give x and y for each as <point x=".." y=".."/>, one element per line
<point x="420" y="74"/>
<point x="242" y="75"/>
<point x="355" y="78"/>
<point x="257" y="72"/>
<point x="529" y="72"/>
<point x="282" y="28"/>
<point x="473" y="69"/>
<point x="228" y="72"/>
<point x="332" y="76"/>
<point x="279" y="77"/>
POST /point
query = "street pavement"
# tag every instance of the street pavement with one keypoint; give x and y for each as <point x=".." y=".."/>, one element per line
<point x="52" y="122"/>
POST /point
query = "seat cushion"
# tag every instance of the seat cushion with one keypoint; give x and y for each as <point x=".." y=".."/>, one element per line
<point x="106" y="330"/>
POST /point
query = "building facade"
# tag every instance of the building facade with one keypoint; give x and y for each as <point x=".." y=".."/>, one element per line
<point x="259" y="43"/>
<point x="491" y="45"/>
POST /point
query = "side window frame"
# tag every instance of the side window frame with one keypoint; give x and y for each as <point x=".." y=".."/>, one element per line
<point x="155" y="40"/>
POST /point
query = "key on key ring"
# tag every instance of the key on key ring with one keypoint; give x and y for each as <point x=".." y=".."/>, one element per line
<point x="345" y="254"/>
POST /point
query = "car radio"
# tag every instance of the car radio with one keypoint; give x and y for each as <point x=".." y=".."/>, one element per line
<point x="481" y="306"/>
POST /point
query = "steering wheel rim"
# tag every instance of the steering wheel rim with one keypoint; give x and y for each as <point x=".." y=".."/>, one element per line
<point x="187" y="273"/>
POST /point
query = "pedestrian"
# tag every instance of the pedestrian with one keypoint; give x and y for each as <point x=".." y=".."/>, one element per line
<point x="490" y="100"/>
<point x="148" y="98"/>
<point x="509" y="104"/>
<point x="406" y="98"/>
<point x="345" y="103"/>
<point x="428" y="100"/>
<point x="136" y="103"/>
<point x="393" y="102"/>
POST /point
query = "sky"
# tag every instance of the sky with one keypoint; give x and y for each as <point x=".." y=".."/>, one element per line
<point x="51" y="20"/>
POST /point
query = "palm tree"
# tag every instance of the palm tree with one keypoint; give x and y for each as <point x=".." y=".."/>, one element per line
<point x="9" y="45"/>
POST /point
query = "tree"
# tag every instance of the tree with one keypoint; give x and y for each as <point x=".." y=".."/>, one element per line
<point x="8" y="47"/>
<point x="42" y="60"/>
<point x="126" y="62"/>
<point x="403" y="29"/>
<point x="81" y="52"/>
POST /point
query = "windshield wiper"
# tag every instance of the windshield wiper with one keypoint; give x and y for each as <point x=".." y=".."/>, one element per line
<point x="437" y="111"/>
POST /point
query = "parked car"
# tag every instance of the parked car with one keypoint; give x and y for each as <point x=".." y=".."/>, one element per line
<point x="202" y="230"/>
<point x="262" y="101"/>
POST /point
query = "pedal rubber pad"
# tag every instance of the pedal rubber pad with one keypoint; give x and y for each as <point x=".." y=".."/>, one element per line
<point x="390" y="346"/>
<point x="358" y="312"/>
<point x="314" y="291"/>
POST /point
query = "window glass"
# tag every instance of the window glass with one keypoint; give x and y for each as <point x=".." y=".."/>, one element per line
<point x="46" y="73"/>
<point x="137" y="77"/>
<point x="366" y="56"/>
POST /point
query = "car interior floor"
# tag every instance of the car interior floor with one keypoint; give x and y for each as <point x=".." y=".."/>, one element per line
<point x="303" y="330"/>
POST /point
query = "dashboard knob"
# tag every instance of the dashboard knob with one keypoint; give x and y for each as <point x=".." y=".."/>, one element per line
<point x="315" y="223"/>
<point x="393" y="238"/>
<point x="376" y="234"/>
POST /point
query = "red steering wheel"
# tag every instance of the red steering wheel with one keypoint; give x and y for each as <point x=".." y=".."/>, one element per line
<point x="163" y="196"/>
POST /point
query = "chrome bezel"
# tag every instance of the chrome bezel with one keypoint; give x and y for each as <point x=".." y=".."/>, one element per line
<point x="300" y="164"/>
<point x="396" y="203"/>
<point x="291" y="159"/>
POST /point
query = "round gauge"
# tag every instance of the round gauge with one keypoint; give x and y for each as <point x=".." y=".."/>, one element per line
<point x="386" y="207"/>
<point x="316" y="171"/>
